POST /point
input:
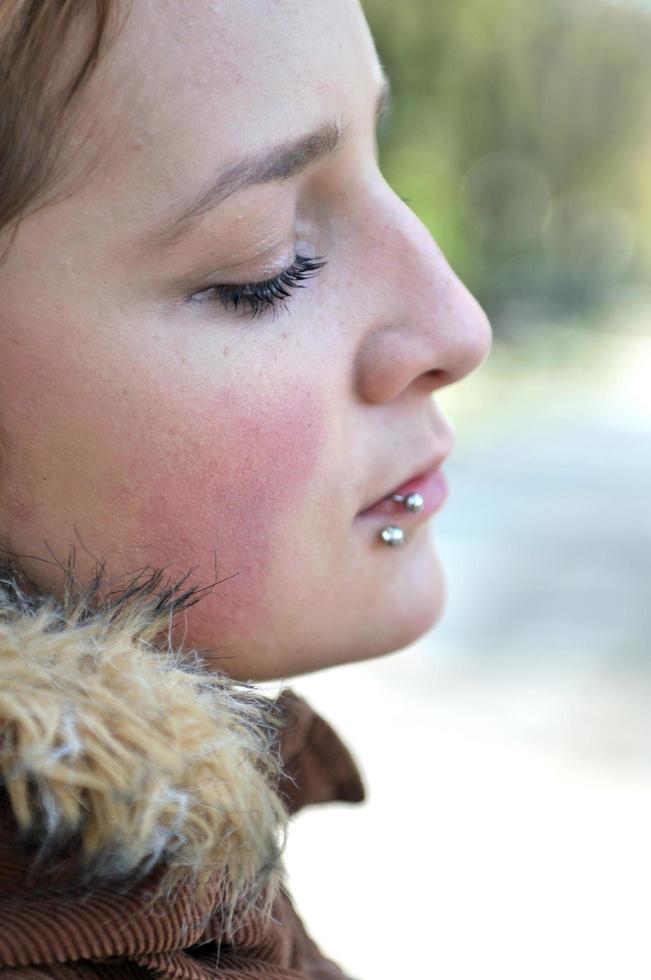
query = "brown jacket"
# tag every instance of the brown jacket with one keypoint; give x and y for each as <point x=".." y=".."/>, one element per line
<point x="143" y="801"/>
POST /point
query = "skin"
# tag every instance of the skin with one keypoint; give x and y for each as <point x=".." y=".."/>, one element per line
<point x="158" y="430"/>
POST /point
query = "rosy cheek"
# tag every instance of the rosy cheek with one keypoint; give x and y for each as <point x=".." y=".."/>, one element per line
<point x="226" y="490"/>
<point x="19" y="510"/>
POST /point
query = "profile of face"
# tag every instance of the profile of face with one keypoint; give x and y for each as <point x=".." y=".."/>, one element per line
<point x="162" y="419"/>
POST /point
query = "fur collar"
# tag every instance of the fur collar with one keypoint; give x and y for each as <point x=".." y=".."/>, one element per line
<point x="119" y="755"/>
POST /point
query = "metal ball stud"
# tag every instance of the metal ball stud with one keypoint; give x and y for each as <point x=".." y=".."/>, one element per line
<point x="413" y="501"/>
<point x="392" y="536"/>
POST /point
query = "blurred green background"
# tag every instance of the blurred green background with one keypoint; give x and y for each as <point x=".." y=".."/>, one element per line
<point x="521" y="135"/>
<point x="508" y="752"/>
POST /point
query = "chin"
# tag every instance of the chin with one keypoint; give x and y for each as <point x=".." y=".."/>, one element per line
<point x="391" y="613"/>
<point x="417" y="602"/>
<point x="410" y="604"/>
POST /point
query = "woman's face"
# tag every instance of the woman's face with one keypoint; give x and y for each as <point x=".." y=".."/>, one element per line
<point x="147" y="423"/>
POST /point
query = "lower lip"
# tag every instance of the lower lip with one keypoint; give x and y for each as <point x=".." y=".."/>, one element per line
<point x="433" y="488"/>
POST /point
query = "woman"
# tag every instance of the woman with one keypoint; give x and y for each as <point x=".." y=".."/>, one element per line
<point x="221" y="331"/>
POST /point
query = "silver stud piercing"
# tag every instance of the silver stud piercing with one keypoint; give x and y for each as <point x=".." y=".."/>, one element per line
<point x="413" y="502"/>
<point x="392" y="535"/>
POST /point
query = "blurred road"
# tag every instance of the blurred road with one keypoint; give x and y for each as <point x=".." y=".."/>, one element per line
<point x="508" y="753"/>
<point x="548" y="547"/>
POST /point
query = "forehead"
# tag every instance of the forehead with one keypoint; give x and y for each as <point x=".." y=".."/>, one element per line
<point x="188" y="83"/>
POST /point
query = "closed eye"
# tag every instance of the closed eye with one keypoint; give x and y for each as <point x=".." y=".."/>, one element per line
<point x="254" y="299"/>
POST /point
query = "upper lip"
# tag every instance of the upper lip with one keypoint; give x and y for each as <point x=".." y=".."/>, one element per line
<point x="432" y="464"/>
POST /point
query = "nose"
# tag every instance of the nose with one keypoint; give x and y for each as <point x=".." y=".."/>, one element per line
<point x="424" y="329"/>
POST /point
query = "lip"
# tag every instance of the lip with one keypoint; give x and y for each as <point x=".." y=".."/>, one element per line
<point x="430" y="483"/>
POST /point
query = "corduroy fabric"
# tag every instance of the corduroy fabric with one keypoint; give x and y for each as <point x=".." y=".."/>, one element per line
<point x="107" y="934"/>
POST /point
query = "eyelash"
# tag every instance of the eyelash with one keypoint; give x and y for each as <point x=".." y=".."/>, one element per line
<point x="262" y="297"/>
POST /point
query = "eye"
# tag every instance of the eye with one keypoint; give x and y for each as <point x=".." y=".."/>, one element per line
<point x="254" y="299"/>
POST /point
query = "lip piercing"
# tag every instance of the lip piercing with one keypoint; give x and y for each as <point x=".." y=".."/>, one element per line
<point x="392" y="535"/>
<point x="413" y="501"/>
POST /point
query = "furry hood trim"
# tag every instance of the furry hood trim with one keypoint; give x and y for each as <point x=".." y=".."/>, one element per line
<point x="118" y="755"/>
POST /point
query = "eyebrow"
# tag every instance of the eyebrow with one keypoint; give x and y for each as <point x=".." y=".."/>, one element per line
<point x="279" y="163"/>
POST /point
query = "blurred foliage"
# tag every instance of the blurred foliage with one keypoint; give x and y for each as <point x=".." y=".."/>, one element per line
<point x="520" y="133"/>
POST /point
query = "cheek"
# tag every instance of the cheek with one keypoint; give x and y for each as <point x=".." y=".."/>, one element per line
<point x="228" y="494"/>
